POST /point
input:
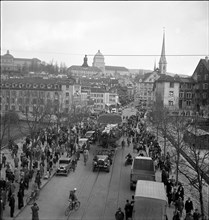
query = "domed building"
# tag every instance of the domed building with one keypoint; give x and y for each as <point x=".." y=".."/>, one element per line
<point x="99" y="61"/>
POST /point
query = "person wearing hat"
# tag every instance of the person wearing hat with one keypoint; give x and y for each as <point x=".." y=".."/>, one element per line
<point x="119" y="215"/>
<point x="35" y="210"/>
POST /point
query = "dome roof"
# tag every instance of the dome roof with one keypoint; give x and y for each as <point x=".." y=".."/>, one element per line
<point x="99" y="54"/>
<point x="8" y="55"/>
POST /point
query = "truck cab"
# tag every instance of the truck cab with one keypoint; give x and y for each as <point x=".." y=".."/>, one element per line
<point x="142" y="169"/>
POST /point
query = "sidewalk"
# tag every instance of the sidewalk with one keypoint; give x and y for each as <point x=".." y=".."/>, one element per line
<point x="188" y="190"/>
<point x="27" y="193"/>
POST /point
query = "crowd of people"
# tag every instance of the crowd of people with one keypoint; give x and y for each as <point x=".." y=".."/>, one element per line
<point x="135" y="132"/>
<point x="34" y="161"/>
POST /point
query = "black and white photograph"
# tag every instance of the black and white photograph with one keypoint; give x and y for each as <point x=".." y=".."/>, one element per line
<point x="104" y="110"/>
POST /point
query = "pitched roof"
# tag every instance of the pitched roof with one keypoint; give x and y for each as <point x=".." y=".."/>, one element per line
<point x="89" y="68"/>
<point x="167" y="78"/>
<point x="115" y="68"/>
<point x="187" y="80"/>
<point x="206" y="64"/>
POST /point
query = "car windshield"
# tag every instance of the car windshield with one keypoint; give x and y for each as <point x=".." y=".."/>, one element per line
<point x="64" y="161"/>
<point x="143" y="165"/>
<point x="101" y="157"/>
<point x="88" y="134"/>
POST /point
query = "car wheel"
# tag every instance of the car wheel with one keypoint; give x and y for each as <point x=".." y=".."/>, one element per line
<point x="108" y="170"/>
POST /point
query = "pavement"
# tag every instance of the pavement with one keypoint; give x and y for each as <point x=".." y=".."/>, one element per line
<point x="27" y="193"/>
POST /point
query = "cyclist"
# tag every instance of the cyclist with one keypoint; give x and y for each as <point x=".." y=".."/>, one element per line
<point x="73" y="197"/>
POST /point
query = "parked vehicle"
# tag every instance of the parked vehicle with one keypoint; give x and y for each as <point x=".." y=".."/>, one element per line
<point x="92" y="137"/>
<point x="101" y="162"/>
<point x="142" y="169"/>
<point x="64" y="166"/>
<point x="150" y="201"/>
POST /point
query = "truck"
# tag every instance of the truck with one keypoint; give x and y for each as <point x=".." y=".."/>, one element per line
<point x="150" y="201"/>
<point x="142" y="169"/>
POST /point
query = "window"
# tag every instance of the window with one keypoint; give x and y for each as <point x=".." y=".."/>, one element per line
<point x="170" y="103"/>
<point x="171" y="85"/>
<point x="206" y="76"/>
<point x="189" y="95"/>
<point x="67" y="102"/>
<point x="35" y="86"/>
<point x="13" y="107"/>
<point x="13" y="93"/>
<point x="49" y="86"/>
<point x="181" y="95"/>
<point x="67" y="86"/>
<point x="205" y="86"/>
<point x="28" y="85"/>
<point x="67" y="93"/>
<point x="189" y="86"/>
<point x="13" y="100"/>
<point x="188" y="103"/>
<point x="170" y="93"/>
<point x="42" y="86"/>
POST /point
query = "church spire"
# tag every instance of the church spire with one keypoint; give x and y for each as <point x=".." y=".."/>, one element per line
<point x="163" y="62"/>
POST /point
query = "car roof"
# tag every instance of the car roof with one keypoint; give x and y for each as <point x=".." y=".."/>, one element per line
<point x="83" y="139"/>
<point x="65" y="158"/>
<point x="143" y="158"/>
<point x="90" y="132"/>
<point x="102" y="156"/>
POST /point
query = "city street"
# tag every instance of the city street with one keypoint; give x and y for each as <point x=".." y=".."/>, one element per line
<point x="100" y="193"/>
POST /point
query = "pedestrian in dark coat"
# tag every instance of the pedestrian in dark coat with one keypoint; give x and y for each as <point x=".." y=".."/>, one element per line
<point x="12" y="205"/>
<point x="22" y="186"/>
<point x="128" y="210"/>
<point x="119" y="215"/>
<point x="164" y="176"/>
<point x="35" y="210"/>
<point x="20" y="199"/>
<point x="188" y="205"/>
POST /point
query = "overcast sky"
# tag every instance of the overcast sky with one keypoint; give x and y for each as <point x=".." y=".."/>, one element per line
<point x="66" y="31"/>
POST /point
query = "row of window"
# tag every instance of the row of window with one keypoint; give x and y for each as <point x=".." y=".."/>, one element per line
<point x="171" y="103"/>
<point x="29" y="85"/>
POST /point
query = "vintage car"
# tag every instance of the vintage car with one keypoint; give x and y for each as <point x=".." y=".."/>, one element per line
<point x="91" y="135"/>
<point x="83" y="143"/>
<point x="64" y="166"/>
<point x="101" y="162"/>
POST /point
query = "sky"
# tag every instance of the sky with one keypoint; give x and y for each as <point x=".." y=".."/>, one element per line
<point x="128" y="33"/>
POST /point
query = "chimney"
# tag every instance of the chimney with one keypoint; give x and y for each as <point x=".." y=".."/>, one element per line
<point x="206" y="59"/>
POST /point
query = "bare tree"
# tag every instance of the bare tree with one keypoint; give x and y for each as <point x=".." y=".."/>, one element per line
<point x="195" y="171"/>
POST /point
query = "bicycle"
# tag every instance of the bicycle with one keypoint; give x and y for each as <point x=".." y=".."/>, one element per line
<point x="32" y="198"/>
<point x="72" y="207"/>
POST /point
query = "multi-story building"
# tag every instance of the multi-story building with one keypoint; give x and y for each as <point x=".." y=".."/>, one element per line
<point x="186" y="94"/>
<point x="84" y="70"/>
<point x="144" y="89"/>
<point x="30" y="94"/>
<point x="166" y="89"/>
<point x="102" y="97"/>
<point x="201" y="77"/>
<point x="11" y="64"/>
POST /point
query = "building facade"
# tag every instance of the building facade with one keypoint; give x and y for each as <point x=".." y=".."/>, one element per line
<point x="201" y="78"/>
<point x="12" y="64"/>
<point x="144" y="95"/>
<point x="28" y="95"/>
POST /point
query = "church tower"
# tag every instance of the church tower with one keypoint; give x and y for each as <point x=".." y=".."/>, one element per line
<point x="163" y="62"/>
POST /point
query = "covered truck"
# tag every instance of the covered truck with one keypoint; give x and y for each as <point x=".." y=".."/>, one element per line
<point x="150" y="201"/>
<point x="142" y="169"/>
